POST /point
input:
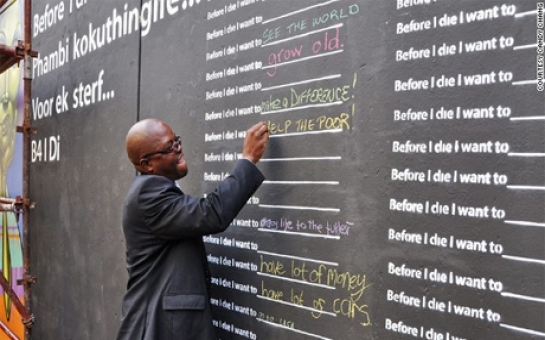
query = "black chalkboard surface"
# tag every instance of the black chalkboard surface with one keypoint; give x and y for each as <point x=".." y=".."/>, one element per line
<point x="405" y="186"/>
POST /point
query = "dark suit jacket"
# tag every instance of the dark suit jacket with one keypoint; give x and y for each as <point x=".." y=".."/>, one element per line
<point x="168" y="289"/>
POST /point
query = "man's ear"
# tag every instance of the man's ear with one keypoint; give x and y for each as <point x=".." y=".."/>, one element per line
<point x="145" y="166"/>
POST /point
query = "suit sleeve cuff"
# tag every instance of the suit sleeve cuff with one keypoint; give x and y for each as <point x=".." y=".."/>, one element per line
<point x="249" y="160"/>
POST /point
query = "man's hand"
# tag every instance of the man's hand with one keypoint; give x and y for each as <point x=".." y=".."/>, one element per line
<point x="254" y="144"/>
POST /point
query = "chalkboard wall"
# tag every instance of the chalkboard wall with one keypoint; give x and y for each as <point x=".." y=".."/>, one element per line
<point x="405" y="183"/>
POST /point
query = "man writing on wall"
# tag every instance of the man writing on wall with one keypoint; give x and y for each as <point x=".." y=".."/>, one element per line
<point x="169" y="280"/>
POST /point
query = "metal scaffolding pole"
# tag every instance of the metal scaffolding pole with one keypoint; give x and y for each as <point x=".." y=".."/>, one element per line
<point x="28" y="280"/>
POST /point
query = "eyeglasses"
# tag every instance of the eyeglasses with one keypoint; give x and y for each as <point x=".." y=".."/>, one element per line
<point x="175" y="147"/>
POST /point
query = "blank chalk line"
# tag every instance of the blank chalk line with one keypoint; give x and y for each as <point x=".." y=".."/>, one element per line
<point x="297" y="159"/>
<point x="524" y="82"/>
<point x="299" y="11"/>
<point x="331" y="237"/>
<point x="523" y="14"/>
<point x="527" y="118"/>
<point x="297" y="258"/>
<point x="525" y="187"/>
<point x="302" y="182"/>
<point x="295" y="207"/>
<point x="293" y="329"/>
<point x="292" y="134"/>
<point x="334" y="76"/>
<point x="523" y="259"/>
<point x="326" y="54"/>
<point x="320" y="285"/>
<point x="523" y="330"/>
<point x="303" y="35"/>
<point x="525" y="223"/>
<point x="303" y="107"/>
<point x="526" y="154"/>
<point x="522" y="297"/>
<point x="522" y="47"/>
<point x="296" y="305"/>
